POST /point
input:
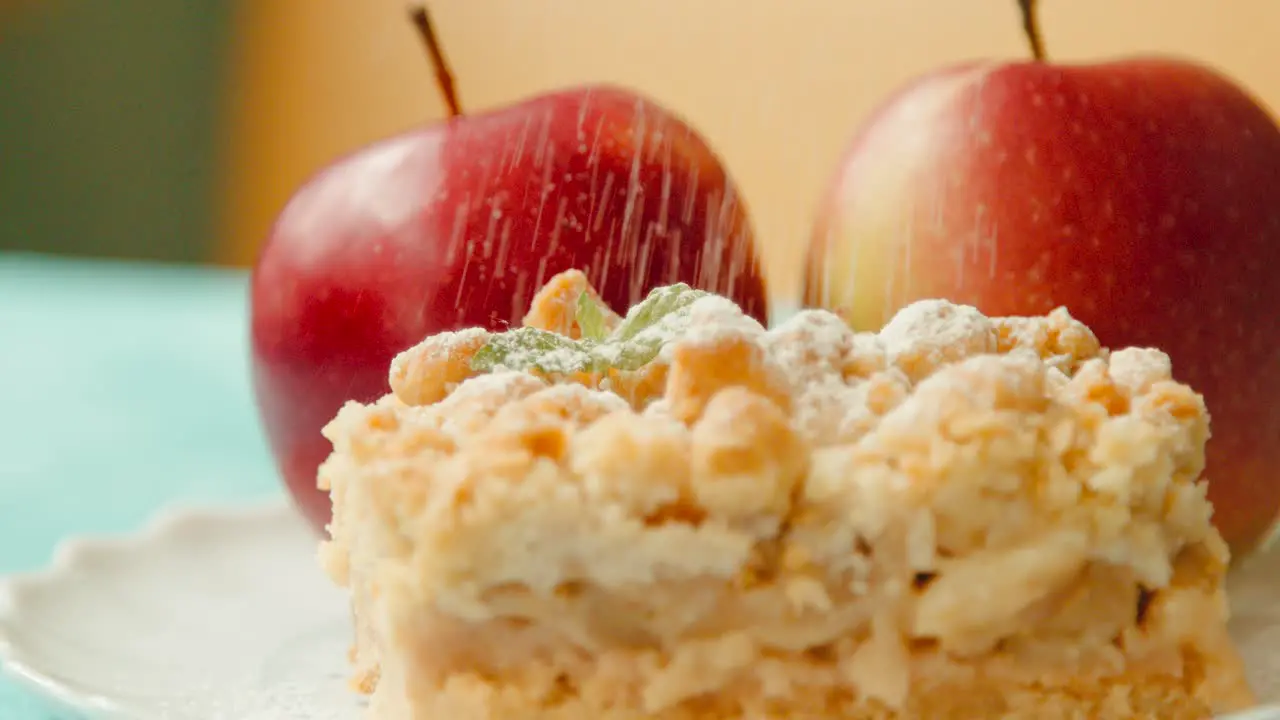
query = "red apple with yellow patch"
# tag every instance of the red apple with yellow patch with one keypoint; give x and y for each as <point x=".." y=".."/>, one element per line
<point x="1143" y="194"/>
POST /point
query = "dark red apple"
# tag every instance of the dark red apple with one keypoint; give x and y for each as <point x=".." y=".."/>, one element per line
<point x="458" y="224"/>
<point x="1142" y="194"/>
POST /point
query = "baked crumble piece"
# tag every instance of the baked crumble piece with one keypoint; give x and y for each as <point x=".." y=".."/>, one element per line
<point x="681" y="515"/>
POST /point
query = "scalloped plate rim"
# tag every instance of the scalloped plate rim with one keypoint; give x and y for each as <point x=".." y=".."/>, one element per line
<point x="70" y="553"/>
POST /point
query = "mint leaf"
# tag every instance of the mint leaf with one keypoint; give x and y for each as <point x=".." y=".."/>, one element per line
<point x="630" y="355"/>
<point x="533" y="349"/>
<point x="657" y="320"/>
<point x="657" y="305"/>
<point x="591" y="318"/>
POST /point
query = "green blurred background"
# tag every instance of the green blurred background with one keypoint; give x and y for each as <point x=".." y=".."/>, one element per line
<point x="109" y="114"/>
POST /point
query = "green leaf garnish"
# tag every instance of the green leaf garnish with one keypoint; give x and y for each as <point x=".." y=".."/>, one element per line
<point x="590" y="317"/>
<point x="657" y="305"/>
<point x="533" y="349"/>
<point x="657" y="320"/>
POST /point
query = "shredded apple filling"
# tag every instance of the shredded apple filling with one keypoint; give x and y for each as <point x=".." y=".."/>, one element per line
<point x="677" y="513"/>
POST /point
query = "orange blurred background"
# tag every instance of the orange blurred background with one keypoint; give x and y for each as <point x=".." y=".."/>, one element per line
<point x="778" y="87"/>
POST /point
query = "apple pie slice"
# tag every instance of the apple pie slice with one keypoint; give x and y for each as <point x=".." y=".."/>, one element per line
<point x="678" y="514"/>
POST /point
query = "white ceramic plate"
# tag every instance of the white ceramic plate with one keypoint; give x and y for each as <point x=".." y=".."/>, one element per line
<point x="224" y="615"/>
<point x="205" y="615"/>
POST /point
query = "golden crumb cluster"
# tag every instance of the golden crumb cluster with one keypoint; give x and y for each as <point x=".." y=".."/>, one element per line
<point x="956" y="517"/>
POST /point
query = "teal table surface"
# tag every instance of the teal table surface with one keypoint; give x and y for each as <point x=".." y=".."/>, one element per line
<point x="124" y="388"/>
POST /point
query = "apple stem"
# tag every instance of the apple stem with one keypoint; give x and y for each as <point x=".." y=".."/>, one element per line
<point x="1031" y="28"/>
<point x="444" y="76"/>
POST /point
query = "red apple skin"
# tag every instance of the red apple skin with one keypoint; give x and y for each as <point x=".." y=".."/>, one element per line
<point x="1142" y="194"/>
<point x="458" y="225"/>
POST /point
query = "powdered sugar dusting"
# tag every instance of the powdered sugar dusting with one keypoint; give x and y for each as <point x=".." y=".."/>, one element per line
<point x="840" y="383"/>
<point x="812" y="345"/>
<point x="658" y="335"/>
<point x="712" y="320"/>
<point x="509" y="384"/>
<point x="428" y="371"/>
<point x="927" y="334"/>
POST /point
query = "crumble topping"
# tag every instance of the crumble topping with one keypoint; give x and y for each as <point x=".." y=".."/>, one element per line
<point x="729" y="519"/>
